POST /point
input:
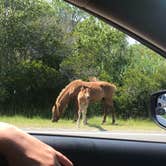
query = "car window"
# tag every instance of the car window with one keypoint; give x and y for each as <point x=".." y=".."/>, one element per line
<point x="47" y="45"/>
<point x="164" y="98"/>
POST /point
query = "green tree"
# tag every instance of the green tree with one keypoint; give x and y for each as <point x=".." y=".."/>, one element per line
<point x="68" y="15"/>
<point x="33" y="85"/>
<point x="98" y="49"/>
<point x="30" y="30"/>
<point x="32" y="45"/>
<point x="143" y="76"/>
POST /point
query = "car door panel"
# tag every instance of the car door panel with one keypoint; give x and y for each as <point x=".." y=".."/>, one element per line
<point x="93" y="151"/>
<point x="84" y="151"/>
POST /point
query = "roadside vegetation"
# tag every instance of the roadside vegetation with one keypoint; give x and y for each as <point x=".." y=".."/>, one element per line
<point x="46" y="44"/>
<point x="94" y="124"/>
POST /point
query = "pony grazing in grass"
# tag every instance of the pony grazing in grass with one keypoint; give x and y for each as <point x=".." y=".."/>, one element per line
<point x="83" y="102"/>
<point x="99" y="91"/>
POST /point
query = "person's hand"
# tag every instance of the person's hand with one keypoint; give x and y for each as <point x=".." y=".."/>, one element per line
<point x="22" y="149"/>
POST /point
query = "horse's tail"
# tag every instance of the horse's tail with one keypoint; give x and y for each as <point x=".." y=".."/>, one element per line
<point x="111" y="86"/>
<point x="114" y="87"/>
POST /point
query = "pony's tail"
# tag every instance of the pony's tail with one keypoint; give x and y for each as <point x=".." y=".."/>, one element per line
<point x="114" y="87"/>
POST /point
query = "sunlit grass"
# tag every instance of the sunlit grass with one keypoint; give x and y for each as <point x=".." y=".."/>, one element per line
<point x="93" y="124"/>
<point x="35" y="122"/>
<point x="125" y="125"/>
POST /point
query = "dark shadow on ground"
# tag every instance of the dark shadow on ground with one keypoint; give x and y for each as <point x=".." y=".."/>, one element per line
<point x="96" y="126"/>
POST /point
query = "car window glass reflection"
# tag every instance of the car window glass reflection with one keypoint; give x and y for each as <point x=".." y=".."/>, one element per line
<point x="48" y="45"/>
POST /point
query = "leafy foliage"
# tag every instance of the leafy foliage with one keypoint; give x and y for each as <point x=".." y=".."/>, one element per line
<point x="46" y="44"/>
<point x="139" y="81"/>
<point x="31" y="81"/>
<point x="97" y="48"/>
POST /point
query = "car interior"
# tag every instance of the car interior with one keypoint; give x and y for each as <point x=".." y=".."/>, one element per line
<point x="144" y="21"/>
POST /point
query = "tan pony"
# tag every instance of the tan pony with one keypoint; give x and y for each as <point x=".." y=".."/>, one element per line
<point x="99" y="90"/>
<point x="83" y="102"/>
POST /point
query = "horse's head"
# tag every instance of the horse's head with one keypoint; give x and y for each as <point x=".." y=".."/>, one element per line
<point x="55" y="113"/>
<point x="85" y="91"/>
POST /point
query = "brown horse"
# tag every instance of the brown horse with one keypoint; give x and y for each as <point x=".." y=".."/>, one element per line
<point x="99" y="90"/>
<point x="83" y="102"/>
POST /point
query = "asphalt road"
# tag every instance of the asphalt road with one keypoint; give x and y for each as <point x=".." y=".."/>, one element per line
<point x="143" y="136"/>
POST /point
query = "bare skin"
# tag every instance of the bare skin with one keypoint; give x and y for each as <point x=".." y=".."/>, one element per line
<point x="22" y="149"/>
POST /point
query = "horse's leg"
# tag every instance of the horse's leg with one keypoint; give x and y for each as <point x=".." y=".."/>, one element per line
<point x="79" y="117"/>
<point x="113" y="114"/>
<point x="75" y="117"/>
<point x="105" y="113"/>
<point x="109" y="105"/>
<point x="75" y="112"/>
<point x="86" y="120"/>
<point x="112" y="110"/>
<point x="84" y="112"/>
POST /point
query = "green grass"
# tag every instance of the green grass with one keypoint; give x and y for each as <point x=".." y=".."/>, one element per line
<point x="93" y="124"/>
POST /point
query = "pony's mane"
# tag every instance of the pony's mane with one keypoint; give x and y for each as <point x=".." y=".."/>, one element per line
<point x="65" y="90"/>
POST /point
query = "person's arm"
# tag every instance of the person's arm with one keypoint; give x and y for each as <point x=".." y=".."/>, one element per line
<point x="20" y="148"/>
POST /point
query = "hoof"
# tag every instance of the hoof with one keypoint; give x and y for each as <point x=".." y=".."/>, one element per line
<point x="115" y="124"/>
